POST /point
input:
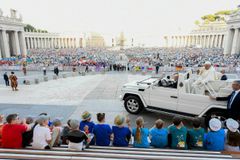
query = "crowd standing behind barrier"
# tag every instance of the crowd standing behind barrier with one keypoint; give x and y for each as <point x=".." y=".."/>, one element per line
<point x="44" y="133"/>
<point x="138" y="59"/>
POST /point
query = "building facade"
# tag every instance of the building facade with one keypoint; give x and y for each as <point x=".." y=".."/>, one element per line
<point x="95" y="40"/>
<point x="12" y="42"/>
<point x="37" y="40"/>
<point x="232" y="45"/>
<point x="206" y="35"/>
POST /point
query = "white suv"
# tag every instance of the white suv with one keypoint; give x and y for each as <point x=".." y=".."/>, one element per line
<point x="147" y="94"/>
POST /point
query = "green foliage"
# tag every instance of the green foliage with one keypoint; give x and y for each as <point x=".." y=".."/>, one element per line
<point x="209" y="17"/>
<point x="218" y="16"/>
<point x="226" y="12"/>
<point x="30" y="28"/>
<point x="197" y="22"/>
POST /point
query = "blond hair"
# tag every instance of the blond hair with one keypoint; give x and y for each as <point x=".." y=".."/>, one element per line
<point x="139" y="123"/>
<point x="159" y="123"/>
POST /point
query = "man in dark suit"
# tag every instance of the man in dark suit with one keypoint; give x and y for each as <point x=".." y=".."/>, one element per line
<point x="233" y="101"/>
<point x="5" y="77"/>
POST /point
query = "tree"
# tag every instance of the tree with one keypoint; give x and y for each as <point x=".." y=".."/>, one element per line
<point x="197" y="22"/>
<point x="30" y="28"/>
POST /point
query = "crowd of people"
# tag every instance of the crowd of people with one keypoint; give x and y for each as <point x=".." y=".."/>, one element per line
<point x="137" y="58"/>
<point x="44" y="133"/>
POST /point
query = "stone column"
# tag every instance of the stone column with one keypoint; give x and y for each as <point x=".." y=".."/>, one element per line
<point x="6" y="49"/>
<point x="207" y="41"/>
<point x="39" y="42"/>
<point x="35" y="42"/>
<point x="43" y="42"/>
<point x="28" y="43"/>
<point x="22" y="43"/>
<point x="212" y="41"/>
<point x="228" y="41"/>
<point x="52" y="42"/>
<point x="74" y="42"/>
<point x="235" y="41"/>
<point x="220" y="41"/>
<point x="15" y="42"/>
<point x="215" y="40"/>
<point x="31" y="42"/>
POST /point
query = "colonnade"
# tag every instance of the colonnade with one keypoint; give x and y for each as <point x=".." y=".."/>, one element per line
<point x="35" y="42"/>
<point x="232" y="45"/>
<point x="12" y="43"/>
<point x="204" y="41"/>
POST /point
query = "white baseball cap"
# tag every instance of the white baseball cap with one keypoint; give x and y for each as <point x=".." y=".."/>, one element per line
<point x="232" y="125"/>
<point x="215" y="124"/>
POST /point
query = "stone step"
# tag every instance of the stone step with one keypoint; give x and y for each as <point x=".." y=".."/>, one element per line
<point x="117" y="154"/>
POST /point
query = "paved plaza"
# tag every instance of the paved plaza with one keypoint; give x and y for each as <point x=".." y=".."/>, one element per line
<point x="69" y="97"/>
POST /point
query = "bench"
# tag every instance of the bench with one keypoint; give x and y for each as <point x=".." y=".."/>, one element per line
<point x="99" y="152"/>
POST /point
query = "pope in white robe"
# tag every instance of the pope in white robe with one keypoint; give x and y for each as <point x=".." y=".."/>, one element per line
<point x="207" y="73"/>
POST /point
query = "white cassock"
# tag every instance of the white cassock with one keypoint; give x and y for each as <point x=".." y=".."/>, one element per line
<point x="205" y="76"/>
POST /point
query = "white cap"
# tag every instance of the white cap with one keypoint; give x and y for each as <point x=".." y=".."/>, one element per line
<point x="232" y="125"/>
<point x="208" y="62"/>
<point x="215" y="124"/>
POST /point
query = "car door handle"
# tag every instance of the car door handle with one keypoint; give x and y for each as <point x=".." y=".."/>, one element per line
<point x="173" y="96"/>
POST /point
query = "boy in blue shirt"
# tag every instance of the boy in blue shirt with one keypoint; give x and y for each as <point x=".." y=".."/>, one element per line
<point x="178" y="134"/>
<point x="159" y="135"/>
<point x="196" y="135"/>
<point x="215" y="138"/>
<point x="102" y="131"/>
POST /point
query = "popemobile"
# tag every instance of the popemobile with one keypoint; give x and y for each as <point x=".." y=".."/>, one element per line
<point x="160" y="95"/>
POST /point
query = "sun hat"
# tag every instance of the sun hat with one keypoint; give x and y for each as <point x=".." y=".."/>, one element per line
<point x="215" y="124"/>
<point x="86" y="115"/>
<point x="74" y="124"/>
<point x="232" y="125"/>
<point x="119" y="120"/>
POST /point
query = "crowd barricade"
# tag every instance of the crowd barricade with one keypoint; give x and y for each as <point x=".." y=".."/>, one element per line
<point x="134" y="69"/>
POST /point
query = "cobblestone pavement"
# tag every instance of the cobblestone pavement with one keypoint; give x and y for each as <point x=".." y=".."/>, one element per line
<point x="68" y="98"/>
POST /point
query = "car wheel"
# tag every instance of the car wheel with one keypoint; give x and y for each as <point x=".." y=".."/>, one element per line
<point x="133" y="104"/>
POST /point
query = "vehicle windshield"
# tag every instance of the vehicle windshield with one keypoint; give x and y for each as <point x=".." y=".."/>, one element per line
<point x="148" y="80"/>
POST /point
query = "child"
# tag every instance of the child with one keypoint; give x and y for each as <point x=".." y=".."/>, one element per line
<point x="178" y="134"/>
<point x="56" y="133"/>
<point x="215" y="137"/>
<point x="65" y="131"/>
<point x="41" y="134"/>
<point x="121" y="134"/>
<point x="196" y="135"/>
<point x="102" y="131"/>
<point x="159" y="135"/>
<point x="76" y="137"/>
<point x="232" y="136"/>
<point x="86" y="121"/>
<point x="140" y="134"/>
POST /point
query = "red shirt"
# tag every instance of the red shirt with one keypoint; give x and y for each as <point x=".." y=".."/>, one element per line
<point x="12" y="135"/>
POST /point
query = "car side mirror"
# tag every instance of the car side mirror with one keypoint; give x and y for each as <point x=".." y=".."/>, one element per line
<point x="181" y="84"/>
